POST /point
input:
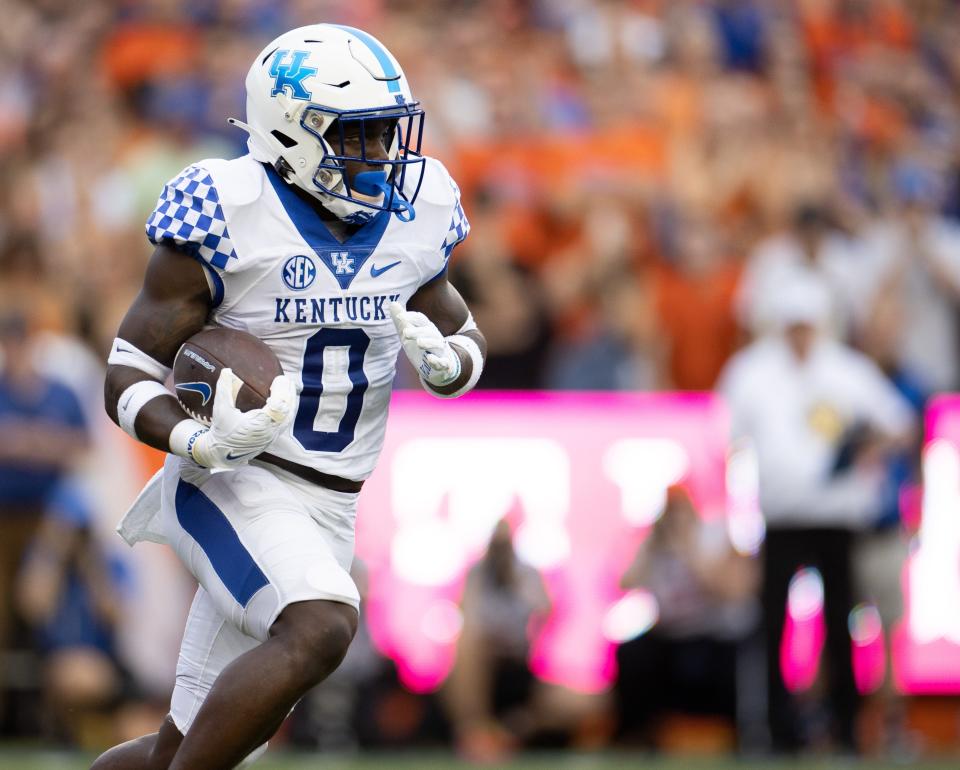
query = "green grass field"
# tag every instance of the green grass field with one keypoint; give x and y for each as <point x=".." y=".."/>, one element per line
<point x="47" y="761"/>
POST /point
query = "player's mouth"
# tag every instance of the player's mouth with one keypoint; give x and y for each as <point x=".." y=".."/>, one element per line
<point x="370" y="186"/>
<point x="374" y="199"/>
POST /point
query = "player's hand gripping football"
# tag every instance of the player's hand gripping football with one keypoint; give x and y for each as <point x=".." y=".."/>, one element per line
<point x="425" y="346"/>
<point x="234" y="437"/>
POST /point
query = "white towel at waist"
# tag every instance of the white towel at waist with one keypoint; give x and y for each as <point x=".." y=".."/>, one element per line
<point x="141" y="522"/>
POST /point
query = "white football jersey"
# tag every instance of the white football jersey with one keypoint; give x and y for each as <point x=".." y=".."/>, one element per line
<point x="321" y="305"/>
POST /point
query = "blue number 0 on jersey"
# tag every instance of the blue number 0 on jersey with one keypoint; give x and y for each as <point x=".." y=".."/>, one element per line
<point x="356" y="341"/>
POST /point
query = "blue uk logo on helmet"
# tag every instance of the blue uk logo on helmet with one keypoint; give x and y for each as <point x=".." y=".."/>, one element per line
<point x="289" y="77"/>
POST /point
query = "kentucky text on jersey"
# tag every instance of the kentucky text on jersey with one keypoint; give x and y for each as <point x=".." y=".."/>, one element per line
<point x="321" y="310"/>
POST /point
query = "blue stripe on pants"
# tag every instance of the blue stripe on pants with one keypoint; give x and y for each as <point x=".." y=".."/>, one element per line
<point x="206" y="524"/>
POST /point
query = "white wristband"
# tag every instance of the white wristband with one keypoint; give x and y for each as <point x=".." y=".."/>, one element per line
<point x="133" y="399"/>
<point x="184" y="435"/>
<point x="473" y="350"/>
<point x="125" y="353"/>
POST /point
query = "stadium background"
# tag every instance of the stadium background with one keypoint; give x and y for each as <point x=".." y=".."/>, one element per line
<point x="624" y="165"/>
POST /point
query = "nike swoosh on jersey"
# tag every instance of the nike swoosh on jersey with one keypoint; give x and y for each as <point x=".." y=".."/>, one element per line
<point x="376" y="271"/>
<point x="197" y="387"/>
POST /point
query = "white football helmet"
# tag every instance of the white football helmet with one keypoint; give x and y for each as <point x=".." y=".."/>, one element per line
<point x="304" y="89"/>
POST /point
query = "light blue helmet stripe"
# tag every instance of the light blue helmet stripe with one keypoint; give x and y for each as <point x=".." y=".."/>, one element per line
<point x="389" y="71"/>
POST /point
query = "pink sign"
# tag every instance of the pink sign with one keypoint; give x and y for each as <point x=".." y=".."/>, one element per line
<point x="927" y="643"/>
<point x="580" y="476"/>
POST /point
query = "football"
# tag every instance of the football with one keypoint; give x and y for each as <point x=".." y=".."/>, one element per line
<point x="200" y="359"/>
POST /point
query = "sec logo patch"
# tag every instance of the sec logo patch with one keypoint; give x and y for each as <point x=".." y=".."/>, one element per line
<point x="298" y="272"/>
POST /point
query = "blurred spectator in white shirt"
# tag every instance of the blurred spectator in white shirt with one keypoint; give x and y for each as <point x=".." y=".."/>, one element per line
<point x="812" y="248"/>
<point x="823" y="419"/>
<point x="914" y="275"/>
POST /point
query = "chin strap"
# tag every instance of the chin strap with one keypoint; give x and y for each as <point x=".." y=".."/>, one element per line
<point x="375" y="183"/>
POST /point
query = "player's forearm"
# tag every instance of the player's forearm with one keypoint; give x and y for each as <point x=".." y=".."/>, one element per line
<point x="467" y="363"/>
<point x="172" y="305"/>
<point x="156" y="418"/>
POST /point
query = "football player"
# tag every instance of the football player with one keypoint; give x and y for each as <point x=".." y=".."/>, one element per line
<point x="329" y="241"/>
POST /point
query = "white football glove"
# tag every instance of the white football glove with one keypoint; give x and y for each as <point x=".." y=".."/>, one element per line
<point x="429" y="352"/>
<point x="234" y="437"/>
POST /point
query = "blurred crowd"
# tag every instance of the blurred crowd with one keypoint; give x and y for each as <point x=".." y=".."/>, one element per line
<point x="653" y="186"/>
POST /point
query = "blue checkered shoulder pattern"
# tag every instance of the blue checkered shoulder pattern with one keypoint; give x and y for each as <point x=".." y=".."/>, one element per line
<point x="189" y="214"/>
<point x="459" y="226"/>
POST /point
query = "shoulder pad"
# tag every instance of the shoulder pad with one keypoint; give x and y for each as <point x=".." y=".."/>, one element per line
<point x="190" y="215"/>
<point x="440" y="197"/>
<point x="239" y="182"/>
<point x="437" y="187"/>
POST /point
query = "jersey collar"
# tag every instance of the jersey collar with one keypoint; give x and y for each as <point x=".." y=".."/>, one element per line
<point x="344" y="259"/>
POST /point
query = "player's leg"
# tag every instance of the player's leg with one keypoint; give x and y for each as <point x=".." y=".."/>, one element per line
<point x="271" y="572"/>
<point x="255" y="693"/>
<point x="150" y="752"/>
<point x="156" y="751"/>
<point x="209" y="645"/>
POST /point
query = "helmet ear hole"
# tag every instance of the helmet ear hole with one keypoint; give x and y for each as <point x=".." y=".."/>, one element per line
<point x="286" y="141"/>
<point x="283" y="169"/>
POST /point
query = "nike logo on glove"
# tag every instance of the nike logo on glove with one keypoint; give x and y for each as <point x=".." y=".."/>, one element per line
<point x="231" y="456"/>
<point x="377" y="271"/>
